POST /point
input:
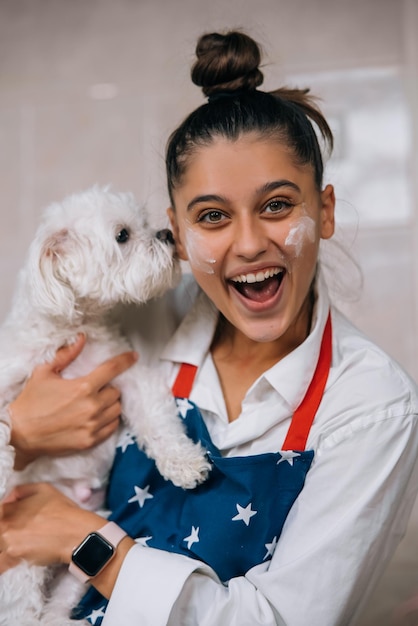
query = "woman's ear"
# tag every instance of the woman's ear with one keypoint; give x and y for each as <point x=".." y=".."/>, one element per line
<point x="181" y="250"/>
<point x="327" y="212"/>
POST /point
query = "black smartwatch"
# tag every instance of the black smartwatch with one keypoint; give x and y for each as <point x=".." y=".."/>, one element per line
<point x="95" y="551"/>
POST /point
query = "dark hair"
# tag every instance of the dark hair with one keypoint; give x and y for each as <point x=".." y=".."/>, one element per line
<point x="227" y="69"/>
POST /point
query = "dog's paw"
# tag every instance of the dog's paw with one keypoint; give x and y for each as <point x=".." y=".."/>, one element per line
<point x="187" y="468"/>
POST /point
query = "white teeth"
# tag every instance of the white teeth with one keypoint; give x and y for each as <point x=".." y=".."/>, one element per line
<point x="257" y="278"/>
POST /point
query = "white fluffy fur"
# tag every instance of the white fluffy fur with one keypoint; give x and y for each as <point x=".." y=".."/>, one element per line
<point x="76" y="273"/>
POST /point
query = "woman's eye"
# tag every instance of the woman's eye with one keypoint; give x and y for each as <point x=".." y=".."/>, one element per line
<point x="122" y="236"/>
<point x="212" y="217"/>
<point x="277" y="206"/>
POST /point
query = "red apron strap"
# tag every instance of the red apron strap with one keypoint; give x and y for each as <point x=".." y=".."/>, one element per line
<point x="184" y="381"/>
<point x="305" y="413"/>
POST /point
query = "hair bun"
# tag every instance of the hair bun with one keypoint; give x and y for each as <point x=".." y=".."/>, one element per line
<point x="227" y="62"/>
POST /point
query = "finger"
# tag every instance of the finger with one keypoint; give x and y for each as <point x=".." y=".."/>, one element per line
<point x="110" y="412"/>
<point x="67" y="354"/>
<point x="107" y="430"/>
<point x="24" y="491"/>
<point x="7" y="562"/>
<point x="11" y="497"/>
<point x="107" y="371"/>
<point x="109" y="396"/>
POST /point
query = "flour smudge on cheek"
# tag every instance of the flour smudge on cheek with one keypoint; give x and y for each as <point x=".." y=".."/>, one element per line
<point x="303" y="231"/>
<point x="199" y="254"/>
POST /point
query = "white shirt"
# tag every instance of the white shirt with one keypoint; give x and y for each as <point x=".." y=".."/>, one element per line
<point x="347" y="520"/>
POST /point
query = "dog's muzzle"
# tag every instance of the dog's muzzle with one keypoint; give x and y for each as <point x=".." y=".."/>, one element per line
<point x="165" y="235"/>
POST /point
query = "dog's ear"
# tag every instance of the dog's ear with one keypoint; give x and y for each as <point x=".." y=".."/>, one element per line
<point x="51" y="293"/>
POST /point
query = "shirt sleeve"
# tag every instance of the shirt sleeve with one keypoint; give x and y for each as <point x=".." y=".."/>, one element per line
<point x="343" y="527"/>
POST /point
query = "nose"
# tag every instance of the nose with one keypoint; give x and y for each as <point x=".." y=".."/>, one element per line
<point x="250" y="239"/>
<point x="165" y="235"/>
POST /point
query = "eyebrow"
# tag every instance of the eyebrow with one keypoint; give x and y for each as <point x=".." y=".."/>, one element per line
<point x="270" y="186"/>
<point x="210" y="197"/>
<point x="276" y="184"/>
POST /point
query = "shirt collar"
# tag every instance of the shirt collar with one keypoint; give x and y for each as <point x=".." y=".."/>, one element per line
<point x="191" y="342"/>
<point x="290" y="377"/>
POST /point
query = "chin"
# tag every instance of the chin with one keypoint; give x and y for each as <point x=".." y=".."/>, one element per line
<point x="263" y="333"/>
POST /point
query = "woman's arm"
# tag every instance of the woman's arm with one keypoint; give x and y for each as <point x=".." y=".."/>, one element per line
<point x="42" y="526"/>
<point x="56" y="416"/>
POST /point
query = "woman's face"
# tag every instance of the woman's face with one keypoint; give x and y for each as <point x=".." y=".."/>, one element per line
<point x="249" y="221"/>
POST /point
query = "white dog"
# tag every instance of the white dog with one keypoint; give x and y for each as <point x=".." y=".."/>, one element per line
<point x="91" y="252"/>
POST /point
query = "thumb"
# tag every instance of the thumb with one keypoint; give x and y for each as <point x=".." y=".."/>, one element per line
<point x="67" y="354"/>
<point x="10" y="497"/>
<point x="20" y="492"/>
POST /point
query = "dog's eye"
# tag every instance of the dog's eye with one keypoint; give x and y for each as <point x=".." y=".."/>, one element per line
<point x="122" y="236"/>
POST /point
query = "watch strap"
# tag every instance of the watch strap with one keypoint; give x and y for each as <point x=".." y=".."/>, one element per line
<point x="113" y="534"/>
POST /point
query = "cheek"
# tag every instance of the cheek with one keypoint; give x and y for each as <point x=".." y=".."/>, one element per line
<point x="301" y="236"/>
<point x="200" y="252"/>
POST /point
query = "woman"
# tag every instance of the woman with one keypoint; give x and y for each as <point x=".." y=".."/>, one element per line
<point x="311" y="429"/>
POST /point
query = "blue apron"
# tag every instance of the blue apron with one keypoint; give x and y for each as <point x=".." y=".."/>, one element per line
<point x="232" y="521"/>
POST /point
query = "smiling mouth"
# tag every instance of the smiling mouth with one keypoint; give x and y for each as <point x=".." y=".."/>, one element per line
<point x="260" y="286"/>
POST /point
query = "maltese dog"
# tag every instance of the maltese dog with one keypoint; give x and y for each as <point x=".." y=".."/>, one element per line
<point x="92" y="252"/>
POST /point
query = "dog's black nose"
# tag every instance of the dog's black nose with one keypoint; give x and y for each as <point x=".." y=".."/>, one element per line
<point x="165" y="235"/>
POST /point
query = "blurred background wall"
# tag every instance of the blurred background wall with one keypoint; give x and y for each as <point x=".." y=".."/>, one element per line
<point x="90" y="89"/>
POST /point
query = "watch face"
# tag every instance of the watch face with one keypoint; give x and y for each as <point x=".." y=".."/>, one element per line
<point x="93" y="554"/>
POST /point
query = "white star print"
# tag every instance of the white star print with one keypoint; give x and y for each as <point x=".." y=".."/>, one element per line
<point x="193" y="537"/>
<point x="125" y="440"/>
<point x="287" y="455"/>
<point x="95" y="614"/>
<point x="140" y="495"/>
<point x="244" y="514"/>
<point x="143" y="541"/>
<point x="270" y="548"/>
<point x="183" y="406"/>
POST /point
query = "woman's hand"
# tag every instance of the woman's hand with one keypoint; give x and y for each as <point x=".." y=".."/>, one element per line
<point x="56" y="416"/>
<point x="42" y="526"/>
